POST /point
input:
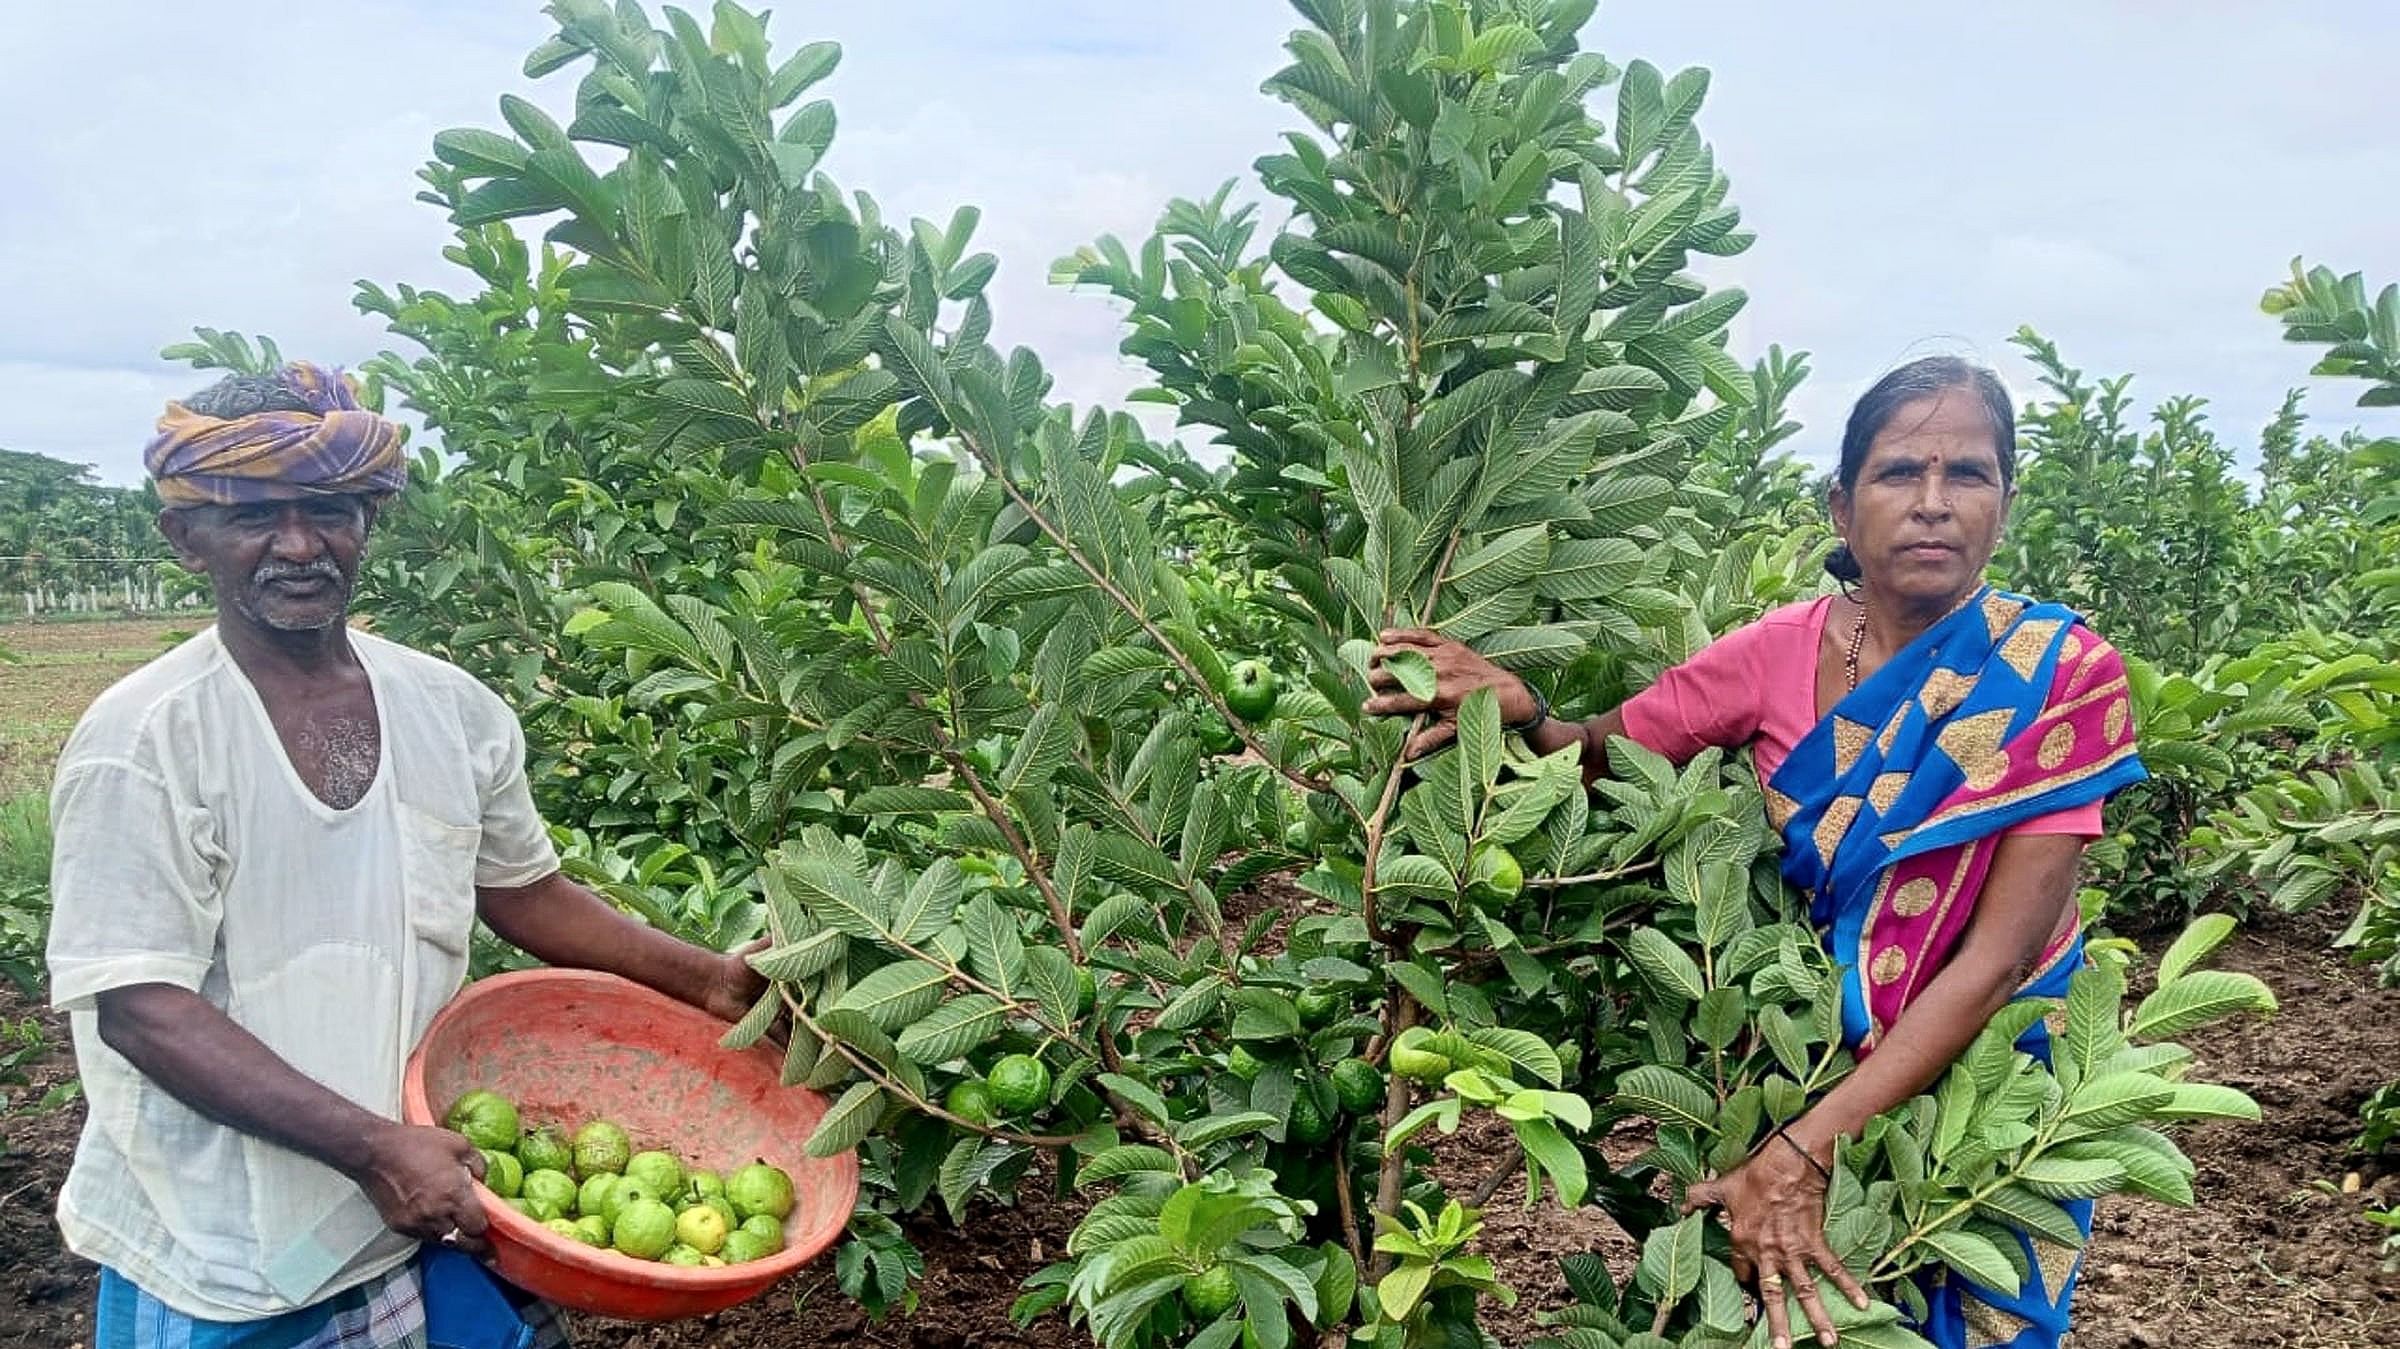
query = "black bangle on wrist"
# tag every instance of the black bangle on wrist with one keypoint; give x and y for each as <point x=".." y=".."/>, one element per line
<point x="1541" y="713"/>
<point x="1806" y="1156"/>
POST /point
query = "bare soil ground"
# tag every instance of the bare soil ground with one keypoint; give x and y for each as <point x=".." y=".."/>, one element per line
<point x="2267" y="1257"/>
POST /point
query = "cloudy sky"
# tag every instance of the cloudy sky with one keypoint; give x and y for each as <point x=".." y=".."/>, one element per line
<point x="2126" y="177"/>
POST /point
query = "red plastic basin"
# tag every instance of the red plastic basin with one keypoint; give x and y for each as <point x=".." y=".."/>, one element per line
<point x="571" y="1046"/>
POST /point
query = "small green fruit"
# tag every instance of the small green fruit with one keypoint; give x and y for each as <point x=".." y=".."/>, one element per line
<point x="766" y="1231"/>
<point x="1358" y="1086"/>
<point x="503" y="1174"/>
<point x="543" y="1150"/>
<point x="658" y="1171"/>
<point x="1308" y="1123"/>
<point x="565" y="1227"/>
<point x="592" y="1230"/>
<point x="625" y="1191"/>
<point x="553" y="1188"/>
<point x="1087" y="992"/>
<point x="681" y="1254"/>
<point x="592" y="1197"/>
<point x="1210" y="1293"/>
<point x="970" y="1100"/>
<point x="760" y="1188"/>
<point x="1250" y="688"/>
<point x="644" y="1229"/>
<point x="488" y="1119"/>
<point x="741" y="1248"/>
<point x="1216" y="737"/>
<point x="702" y="1184"/>
<point x="1493" y="873"/>
<point x="1318" y="1007"/>
<point x="601" y="1147"/>
<point x="1019" y="1085"/>
<point x="702" y="1228"/>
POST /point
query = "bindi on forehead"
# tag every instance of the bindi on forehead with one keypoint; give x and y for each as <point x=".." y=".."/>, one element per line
<point x="1956" y="456"/>
<point x="1943" y="450"/>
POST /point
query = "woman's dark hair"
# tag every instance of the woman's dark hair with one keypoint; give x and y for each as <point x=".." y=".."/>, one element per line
<point x="246" y="395"/>
<point x="1918" y="379"/>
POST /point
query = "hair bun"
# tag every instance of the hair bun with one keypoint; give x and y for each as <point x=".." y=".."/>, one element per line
<point x="1842" y="565"/>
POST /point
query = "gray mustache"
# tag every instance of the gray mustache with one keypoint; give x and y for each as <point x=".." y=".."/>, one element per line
<point x="321" y="569"/>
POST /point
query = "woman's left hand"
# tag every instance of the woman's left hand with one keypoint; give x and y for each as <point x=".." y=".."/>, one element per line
<point x="1775" y="1210"/>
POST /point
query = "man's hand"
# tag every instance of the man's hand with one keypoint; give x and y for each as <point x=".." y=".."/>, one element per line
<point x="421" y="1180"/>
<point x="737" y="986"/>
<point x="561" y="924"/>
<point x="1457" y="672"/>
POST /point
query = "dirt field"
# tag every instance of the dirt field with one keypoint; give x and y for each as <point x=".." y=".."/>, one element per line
<point x="64" y="666"/>
<point x="2268" y="1258"/>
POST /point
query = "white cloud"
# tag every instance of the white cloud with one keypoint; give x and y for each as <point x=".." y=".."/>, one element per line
<point x="84" y="414"/>
<point x="1918" y="175"/>
<point x="2053" y="263"/>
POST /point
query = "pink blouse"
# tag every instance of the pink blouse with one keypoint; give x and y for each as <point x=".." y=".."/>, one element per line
<point x="1756" y="686"/>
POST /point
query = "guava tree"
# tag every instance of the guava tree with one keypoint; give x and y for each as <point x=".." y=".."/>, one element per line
<point x="953" y="665"/>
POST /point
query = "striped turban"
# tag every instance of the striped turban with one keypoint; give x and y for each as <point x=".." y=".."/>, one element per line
<point x="336" y="448"/>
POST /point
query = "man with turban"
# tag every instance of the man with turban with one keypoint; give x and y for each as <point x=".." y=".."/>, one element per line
<point x="272" y="844"/>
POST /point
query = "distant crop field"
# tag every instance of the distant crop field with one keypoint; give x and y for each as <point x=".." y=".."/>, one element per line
<point x="61" y="668"/>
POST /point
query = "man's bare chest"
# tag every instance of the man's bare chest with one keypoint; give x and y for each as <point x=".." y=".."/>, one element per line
<point x="333" y="741"/>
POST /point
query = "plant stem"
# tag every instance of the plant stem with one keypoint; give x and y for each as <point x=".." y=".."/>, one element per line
<point x="1349" y="1210"/>
<point x="1590" y="877"/>
<point x="873" y="1072"/>
<point x="1374" y="848"/>
<point x="1503" y="1166"/>
<point x="1917" y="1234"/>
<point x="1398" y="1096"/>
<point x="1116" y="594"/>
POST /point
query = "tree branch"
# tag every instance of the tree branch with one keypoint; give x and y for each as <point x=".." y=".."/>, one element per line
<point x="1398" y="1095"/>
<point x="1116" y="594"/>
<point x="1348" y="1207"/>
<point x="1503" y="1166"/>
<point x="873" y="1072"/>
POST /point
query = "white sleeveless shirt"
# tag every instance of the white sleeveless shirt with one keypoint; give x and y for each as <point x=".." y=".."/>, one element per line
<point x="189" y="852"/>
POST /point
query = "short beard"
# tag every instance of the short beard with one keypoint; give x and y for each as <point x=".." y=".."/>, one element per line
<point x="273" y="571"/>
<point x="270" y="621"/>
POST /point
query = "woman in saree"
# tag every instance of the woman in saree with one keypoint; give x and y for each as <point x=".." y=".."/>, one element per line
<point x="1934" y="753"/>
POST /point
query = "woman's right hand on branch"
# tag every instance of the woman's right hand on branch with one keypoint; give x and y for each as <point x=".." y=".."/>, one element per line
<point x="1457" y="672"/>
